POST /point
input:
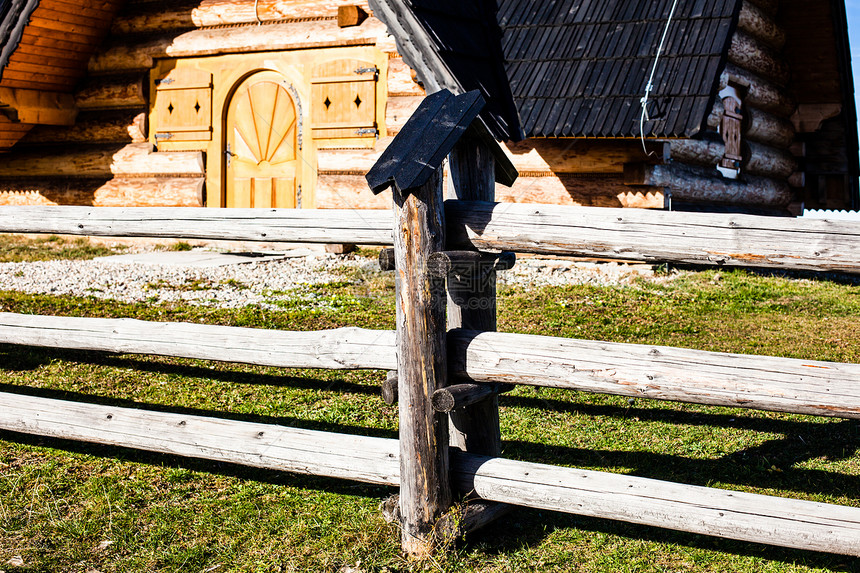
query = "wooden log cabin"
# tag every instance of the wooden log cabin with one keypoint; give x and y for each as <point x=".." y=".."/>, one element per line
<point x="288" y="103"/>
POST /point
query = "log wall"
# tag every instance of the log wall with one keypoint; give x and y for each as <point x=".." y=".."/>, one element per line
<point x="757" y="68"/>
<point x="108" y="157"/>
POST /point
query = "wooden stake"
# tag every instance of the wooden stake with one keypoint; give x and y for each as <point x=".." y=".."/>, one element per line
<point x="422" y="366"/>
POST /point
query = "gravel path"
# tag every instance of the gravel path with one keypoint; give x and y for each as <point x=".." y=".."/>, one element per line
<point x="262" y="283"/>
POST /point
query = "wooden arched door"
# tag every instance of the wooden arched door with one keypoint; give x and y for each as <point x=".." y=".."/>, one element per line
<point x="261" y="155"/>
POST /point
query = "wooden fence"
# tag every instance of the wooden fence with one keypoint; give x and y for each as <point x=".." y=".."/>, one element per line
<point x="473" y="357"/>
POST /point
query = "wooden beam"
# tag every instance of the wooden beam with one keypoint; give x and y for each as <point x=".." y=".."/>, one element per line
<point x="642" y="371"/>
<point x="759" y="24"/>
<point x="472" y="294"/>
<point x="124" y="54"/>
<point x="112" y="92"/>
<point x="133" y="159"/>
<point x="104" y="191"/>
<point x="656" y="236"/>
<point x="738" y="515"/>
<point x="627" y="234"/>
<point x="350" y="15"/>
<point x="281" y="448"/>
<point x="121" y="126"/>
<point x="759" y="126"/>
<point x="758" y="159"/>
<point x="338" y="349"/>
<point x="459" y="396"/>
<point x="37" y="106"/>
<point x="389" y="388"/>
<point x="197" y="14"/>
<point x="363" y="227"/>
<point x="793" y="523"/>
<point x="747" y="52"/>
<point x="658" y="372"/>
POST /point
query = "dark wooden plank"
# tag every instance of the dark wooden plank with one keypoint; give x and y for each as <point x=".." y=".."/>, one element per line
<point x="426" y="139"/>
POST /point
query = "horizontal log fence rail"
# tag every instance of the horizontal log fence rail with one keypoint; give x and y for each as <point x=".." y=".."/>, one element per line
<point x="635" y="370"/>
<point x="446" y="372"/>
<point x="730" y="514"/>
<point x="624" y="234"/>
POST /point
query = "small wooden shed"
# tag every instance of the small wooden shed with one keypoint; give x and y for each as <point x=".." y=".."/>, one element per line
<point x="288" y="103"/>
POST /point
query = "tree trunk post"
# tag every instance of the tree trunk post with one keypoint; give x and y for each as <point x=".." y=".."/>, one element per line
<point x="422" y="366"/>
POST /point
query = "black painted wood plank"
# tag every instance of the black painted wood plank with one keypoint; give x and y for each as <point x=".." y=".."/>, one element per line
<point x="424" y="142"/>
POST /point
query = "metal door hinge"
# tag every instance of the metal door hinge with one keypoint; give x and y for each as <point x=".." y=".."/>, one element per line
<point x="367" y="131"/>
<point x="371" y="70"/>
<point x="166" y="81"/>
<point x="163" y="135"/>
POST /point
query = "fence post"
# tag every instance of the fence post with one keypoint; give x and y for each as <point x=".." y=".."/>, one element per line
<point x="412" y="166"/>
<point x="422" y="365"/>
<point x="472" y="299"/>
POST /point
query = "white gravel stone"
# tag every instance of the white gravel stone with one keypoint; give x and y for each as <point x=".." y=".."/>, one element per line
<point x="267" y="284"/>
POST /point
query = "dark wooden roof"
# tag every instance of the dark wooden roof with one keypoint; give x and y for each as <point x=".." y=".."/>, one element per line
<point x="579" y="67"/>
<point x="424" y="142"/>
<point x="455" y="45"/>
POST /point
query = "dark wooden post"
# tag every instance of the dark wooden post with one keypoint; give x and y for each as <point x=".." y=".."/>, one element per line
<point x="422" y="367"/>
<point x="472" y="299"/>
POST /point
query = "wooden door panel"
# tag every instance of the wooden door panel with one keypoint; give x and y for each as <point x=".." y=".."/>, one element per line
<point x="261" y="138"/>
<point x="241" y="196"/>
<point x="343" y="99"/>
<point x="262" y="192"/>
<point x="285" y="192"/>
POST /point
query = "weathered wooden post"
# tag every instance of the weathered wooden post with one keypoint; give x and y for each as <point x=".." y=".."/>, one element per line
<point x="412" y="167"/>
<point x="476" y="163"/>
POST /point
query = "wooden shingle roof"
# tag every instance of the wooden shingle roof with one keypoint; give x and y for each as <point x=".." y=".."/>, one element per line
<point x="578" y="68"/>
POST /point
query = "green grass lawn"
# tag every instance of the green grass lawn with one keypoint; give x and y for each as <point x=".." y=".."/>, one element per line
<point x="73" y="507"/>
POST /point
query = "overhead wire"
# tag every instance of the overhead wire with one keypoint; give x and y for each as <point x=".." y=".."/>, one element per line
<point x="650" y="85"/>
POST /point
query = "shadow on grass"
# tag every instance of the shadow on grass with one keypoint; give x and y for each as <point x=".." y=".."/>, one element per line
<point x="735" y="420"/>
<point x="286" y="421"/>
<point x="23" y="358"/>
<point x="530" y="527"/>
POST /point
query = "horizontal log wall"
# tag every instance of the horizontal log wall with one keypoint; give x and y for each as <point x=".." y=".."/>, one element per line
<point x="705" y="185"/>
<point x="104" y="192"/>
<point x="140" y="18"/>
<point x="134" y="159"/>
<point x="744" y="516"/>
<point x="124" y="54"/>
<point x="95" y="127"/>
<point x="759" y="159"/>
<point x="755" y="66"/>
